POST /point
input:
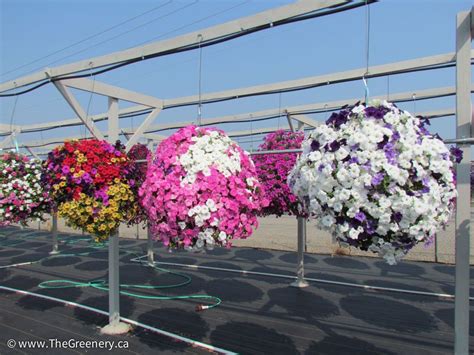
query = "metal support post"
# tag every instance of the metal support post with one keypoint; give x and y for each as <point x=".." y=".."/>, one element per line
<point x="300" y="281"/>
<point x="463" y="204"/>
<point x="54" y="233"/>
<point x="114" y="326"/>
<point x="150" y="253"/>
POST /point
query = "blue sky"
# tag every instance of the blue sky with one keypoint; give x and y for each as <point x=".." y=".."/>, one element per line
<point x="400" y="30"/>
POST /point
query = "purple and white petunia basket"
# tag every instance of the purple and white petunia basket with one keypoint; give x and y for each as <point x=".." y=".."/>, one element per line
<point x="376" y="179"/>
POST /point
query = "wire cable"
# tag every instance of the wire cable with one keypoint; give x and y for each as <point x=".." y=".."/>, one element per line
<point x="128" y="31"/>
<point x="13" y="132"/>
<point x="83" y="40"/>
<point x="89" y="106"/>
<point x="193" y="23"/>
<point x="367" y="51"/>
<point x="210" y="42"/>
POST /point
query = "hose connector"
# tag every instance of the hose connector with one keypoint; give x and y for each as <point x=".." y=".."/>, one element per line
<point x="201" y="307"/>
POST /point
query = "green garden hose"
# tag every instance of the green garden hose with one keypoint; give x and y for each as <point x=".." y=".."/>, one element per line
<point x="102" y="284"/>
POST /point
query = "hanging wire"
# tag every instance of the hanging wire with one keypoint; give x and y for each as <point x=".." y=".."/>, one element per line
<point x="388" y="87"/>
<point x="251" y="136"/>
<point x="367" y="50"/>
<point x="279" y="109"/>
<point x="199" y="112"/>
<point x="414" y="103"/>
<point x="89" y="106"/>
<point x="13" y="113"/>
<point x="13" y="132"/>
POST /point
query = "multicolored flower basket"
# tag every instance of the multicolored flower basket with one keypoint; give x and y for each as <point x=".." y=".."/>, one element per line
<point x="376" y="178"/>
<point x="139" y="156"/>
<point x="201" y="190"/>
<point x="93" y="186"/>
<point x="22" y="197"/>
<point x="273" y="170"/>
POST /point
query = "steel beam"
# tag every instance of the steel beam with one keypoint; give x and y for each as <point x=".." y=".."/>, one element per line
<point x="314" y="81"/>
<point x="113" y="121"/>
<point x="5" y="141"/>
<point x="100" y="88"/>
<point x="293" y="110"/>
<point x="301" y="118"/>
<point x="168" y="45"/>
<point x="306" y="120"/>
<point x="76" y="106"/>
<point x="463" y="173"/>
<point x="141" y="129"/>
<point x="32" y="152"/>
<point x="290" y="122"/>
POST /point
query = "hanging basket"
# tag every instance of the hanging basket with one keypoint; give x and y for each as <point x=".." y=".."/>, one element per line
<point x="22" y="198"/>
<point x="201" y="190"/>
<point x="376" y="179"/>
<point x="139" y="156"/>
<point x="273" y="170"/>
<point x="92" y="185"/>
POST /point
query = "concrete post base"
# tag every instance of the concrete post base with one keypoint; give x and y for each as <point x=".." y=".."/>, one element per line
<point x="299" y="284"/>
<point x="115" y="329"/>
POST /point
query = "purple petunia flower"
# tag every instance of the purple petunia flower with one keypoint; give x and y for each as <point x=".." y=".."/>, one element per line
<point x="354" y="160"/>
<point x="333" y="146"/>
<point x="338" y="119"/>
<point x="390" y="152"/>
<point x="377" y="179"/>
<point x="457" y="154"/>
<point x="426" y="187"/>
<point x="382" y="144"/>
<point x="397" y="217"/>
<point x="376" y="112"/>
<point x="424" y="131"/>
<point x="315" y="145"/>
<point x="370" y="227"/>
<point x="360" y="216"/>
